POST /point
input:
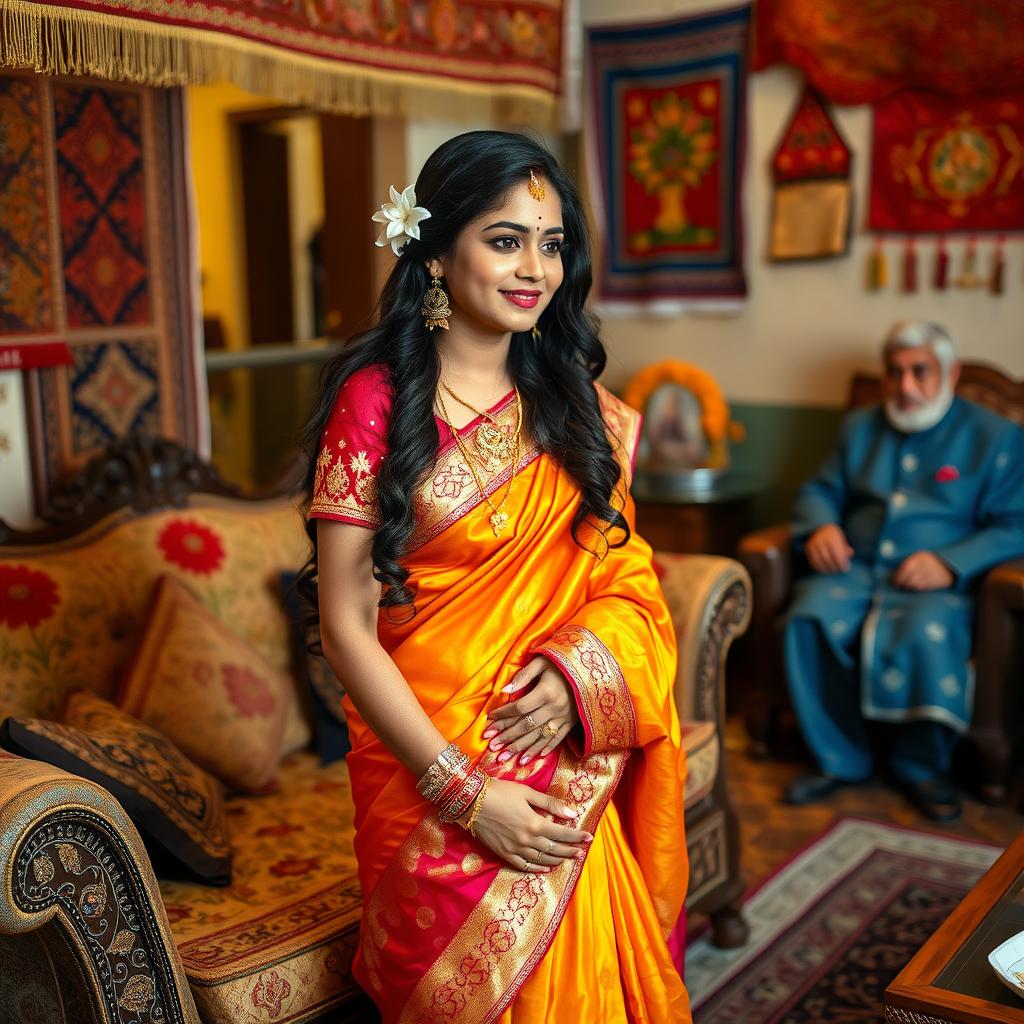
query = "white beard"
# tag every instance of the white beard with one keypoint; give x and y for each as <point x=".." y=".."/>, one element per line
<point x="921" y="417"/>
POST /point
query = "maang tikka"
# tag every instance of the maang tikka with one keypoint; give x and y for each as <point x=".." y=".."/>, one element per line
<point x="435" y="309"/>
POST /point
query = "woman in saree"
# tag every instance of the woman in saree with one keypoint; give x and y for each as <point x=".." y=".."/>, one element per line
<point x="505" y="649"/>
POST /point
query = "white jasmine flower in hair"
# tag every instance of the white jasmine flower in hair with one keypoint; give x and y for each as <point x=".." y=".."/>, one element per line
<point x="402" y="217"/>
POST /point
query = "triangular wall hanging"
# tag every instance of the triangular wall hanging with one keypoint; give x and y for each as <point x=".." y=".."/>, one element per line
<point x="811" y="210"/>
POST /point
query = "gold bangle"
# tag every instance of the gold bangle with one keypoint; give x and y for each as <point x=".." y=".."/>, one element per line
<point x="477" y="804"/>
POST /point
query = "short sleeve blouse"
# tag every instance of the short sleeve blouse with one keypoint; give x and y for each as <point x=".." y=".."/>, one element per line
<point x="352" y="446"/>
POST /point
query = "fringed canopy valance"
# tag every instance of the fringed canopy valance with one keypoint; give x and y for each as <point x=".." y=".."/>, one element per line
<point x="352" y="56"/>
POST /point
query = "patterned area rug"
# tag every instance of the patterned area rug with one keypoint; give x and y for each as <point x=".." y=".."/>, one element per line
<point x="834" y="926"/>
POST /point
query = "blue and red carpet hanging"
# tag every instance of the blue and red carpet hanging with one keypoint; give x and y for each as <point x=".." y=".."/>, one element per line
<point x="96" y="291"/>
<point x="811" y="173"/>
<point x="668" y="133"/>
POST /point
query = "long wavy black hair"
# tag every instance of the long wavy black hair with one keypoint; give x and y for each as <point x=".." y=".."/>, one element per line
<point x="465" y="178"/>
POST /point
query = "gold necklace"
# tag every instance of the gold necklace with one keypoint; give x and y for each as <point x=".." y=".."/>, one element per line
<point x="498" y="519"/>
<point x="492" y="441"/>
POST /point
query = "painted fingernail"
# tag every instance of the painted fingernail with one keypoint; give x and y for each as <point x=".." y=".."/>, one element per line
<point x="489" y="733"/>
<point x="505" y="756"/>
<point x="525" y="759"/>
<point x="580" y="854"/>
<point x="496" y="744"/>
<point x="570" y="812"/>
<point x="587" y="837"/>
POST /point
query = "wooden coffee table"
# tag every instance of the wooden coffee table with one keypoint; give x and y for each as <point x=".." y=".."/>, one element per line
<point x="950" y="981"/>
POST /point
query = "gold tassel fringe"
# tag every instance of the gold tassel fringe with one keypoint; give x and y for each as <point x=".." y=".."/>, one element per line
<point x="66" y="41"/>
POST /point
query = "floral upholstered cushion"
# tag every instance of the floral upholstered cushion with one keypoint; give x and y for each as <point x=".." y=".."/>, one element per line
<point x="71" y="611"/>
<point x="208" y="690"/>
<point x="277" y="944"/>
<point x="173" y="802"/>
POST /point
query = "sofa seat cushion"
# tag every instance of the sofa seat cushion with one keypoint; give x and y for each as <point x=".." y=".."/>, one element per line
<point x="277" y="944"/>
<point x="700" y="741"/>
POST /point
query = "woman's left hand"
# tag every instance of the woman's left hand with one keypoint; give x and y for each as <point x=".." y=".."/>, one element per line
<point x="537" y="722"/>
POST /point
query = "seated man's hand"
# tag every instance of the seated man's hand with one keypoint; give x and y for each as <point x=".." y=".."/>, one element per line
<point x="923" y="571"/>
<point x="828" y="549"/>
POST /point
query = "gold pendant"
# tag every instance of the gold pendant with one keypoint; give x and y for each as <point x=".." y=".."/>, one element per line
<point x="499" y="522"/>
<point x="494" y="445"/>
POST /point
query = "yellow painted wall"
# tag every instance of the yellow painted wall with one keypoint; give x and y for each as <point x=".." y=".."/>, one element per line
<point x="214" y="157"/>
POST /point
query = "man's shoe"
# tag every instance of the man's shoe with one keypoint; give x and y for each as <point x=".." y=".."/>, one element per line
<point x="810" y="789"/>
<point x="937" y="799"/>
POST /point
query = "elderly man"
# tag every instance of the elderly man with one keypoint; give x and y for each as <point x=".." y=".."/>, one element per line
<point x="922" y="496"/>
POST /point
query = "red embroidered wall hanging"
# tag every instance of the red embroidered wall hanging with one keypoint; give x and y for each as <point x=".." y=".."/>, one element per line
<point x="944" y="164"/>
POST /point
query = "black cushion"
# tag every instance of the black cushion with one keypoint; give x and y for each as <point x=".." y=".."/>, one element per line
<point x="177" y="807"/>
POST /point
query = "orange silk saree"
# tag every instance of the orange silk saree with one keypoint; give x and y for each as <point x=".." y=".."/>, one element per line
<point x="450" y="934"/>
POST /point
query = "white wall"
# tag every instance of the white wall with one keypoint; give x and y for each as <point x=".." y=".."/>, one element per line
<point x="805" y="326"/>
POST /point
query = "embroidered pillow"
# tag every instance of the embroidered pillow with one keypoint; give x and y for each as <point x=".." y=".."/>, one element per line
<point x="330" y="731"/>
<point x="176" y="806"/>
<point x="208" y="690"/>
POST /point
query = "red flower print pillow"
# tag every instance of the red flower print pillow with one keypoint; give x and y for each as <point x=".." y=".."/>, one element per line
<point x="208" y="690"/>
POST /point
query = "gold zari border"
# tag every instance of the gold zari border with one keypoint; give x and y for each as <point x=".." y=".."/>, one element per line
<point x="602" y="695"/>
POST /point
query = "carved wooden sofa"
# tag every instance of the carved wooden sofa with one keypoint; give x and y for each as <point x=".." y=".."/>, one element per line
<point x="88" y="934"/>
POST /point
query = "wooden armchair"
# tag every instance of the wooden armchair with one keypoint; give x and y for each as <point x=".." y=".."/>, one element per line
<point x="999" y="625"/>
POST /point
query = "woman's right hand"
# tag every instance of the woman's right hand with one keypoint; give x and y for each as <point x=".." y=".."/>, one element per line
<point x="510" y="825"/>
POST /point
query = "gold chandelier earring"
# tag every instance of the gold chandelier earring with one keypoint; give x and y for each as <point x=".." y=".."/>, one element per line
<point x="435" y="309"/>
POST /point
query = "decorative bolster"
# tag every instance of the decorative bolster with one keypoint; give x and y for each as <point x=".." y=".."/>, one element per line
<point x="67" y="848"/>
<point x="602" y="698"/>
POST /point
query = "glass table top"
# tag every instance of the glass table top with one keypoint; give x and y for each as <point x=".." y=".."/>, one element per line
<point x="969" y="971"/>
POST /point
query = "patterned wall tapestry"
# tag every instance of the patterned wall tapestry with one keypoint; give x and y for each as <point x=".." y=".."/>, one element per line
<point x="95" y="255"/>
<point x="667" y="131"/>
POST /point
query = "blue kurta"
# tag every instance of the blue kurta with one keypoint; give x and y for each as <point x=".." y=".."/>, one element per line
<point x="956" y="490"/>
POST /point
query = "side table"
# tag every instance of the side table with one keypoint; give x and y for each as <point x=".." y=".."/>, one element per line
<point x="949" y="980"/>
<point x="707" y="521"/>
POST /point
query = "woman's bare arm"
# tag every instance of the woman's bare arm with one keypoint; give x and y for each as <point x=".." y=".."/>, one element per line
<point x="348" y="631"/>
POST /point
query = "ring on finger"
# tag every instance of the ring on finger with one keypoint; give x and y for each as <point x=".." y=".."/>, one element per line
<point x="551" y="728"/>
<point x="547" y="849"/>
<point x="530" y="721"/>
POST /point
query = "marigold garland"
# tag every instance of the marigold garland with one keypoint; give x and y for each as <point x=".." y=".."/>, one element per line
<point x="714" y="415"/>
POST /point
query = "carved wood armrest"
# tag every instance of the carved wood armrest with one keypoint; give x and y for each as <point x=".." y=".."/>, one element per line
<point x="709" y="598"/>
<point x="71" y="858"/>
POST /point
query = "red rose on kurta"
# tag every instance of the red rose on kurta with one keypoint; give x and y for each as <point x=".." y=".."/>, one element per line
<point x="192" y="546"/>
<point x="947" y="473"/>
<point x="247" y="691"/>
<point x="27" y="596"/>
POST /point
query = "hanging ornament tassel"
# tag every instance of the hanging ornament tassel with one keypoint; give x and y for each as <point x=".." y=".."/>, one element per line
<point x="970" y="278"/>
<point x="878" y="274"/>
<point x="995" y="284"/>
<point x="910" y="266"/>
<point x="941" y="265"/>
